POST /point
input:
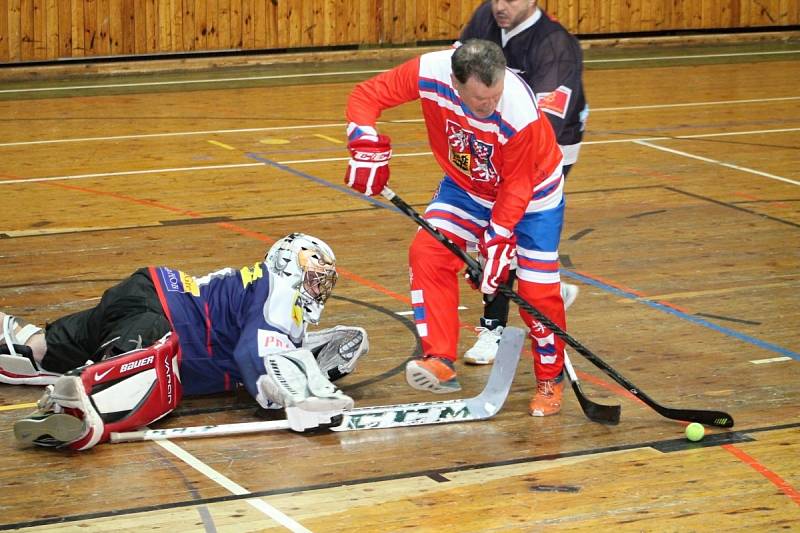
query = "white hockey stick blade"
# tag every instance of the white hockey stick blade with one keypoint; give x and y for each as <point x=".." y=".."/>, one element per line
<point x="481" y="407"/>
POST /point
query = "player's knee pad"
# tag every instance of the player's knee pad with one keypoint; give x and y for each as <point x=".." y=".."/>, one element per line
<point x="337" y="349"/>
<point x="119" y="394"/>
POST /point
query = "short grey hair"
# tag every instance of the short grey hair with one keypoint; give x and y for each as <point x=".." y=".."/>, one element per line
<point x="479" y="58"/>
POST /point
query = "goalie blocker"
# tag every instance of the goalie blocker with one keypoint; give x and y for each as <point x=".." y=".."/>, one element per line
<point x="85" y="405"/>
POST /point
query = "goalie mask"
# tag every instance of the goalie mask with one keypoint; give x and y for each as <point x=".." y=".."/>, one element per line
<point x="310" y="265"/>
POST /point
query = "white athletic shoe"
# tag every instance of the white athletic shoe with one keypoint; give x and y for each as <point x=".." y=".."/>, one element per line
<point x="569" y="293"/>
<point x="484" y="350"/>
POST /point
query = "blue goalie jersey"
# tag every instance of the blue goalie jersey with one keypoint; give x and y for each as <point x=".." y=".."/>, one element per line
<point x="226" y="322"/>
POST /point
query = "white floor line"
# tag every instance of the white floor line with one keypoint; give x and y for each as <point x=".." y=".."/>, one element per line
<point x="361" y="72"/>
<point x="400" y="121"/>
<point x="641" y="140"/>
<point x="129" y="173"/>
<point x="229" y="485"/>
<point x="770" y="360"/>
<point x="694" y="104"/>
<point x="174" y="134"/>
<point x="717" y="162"/>
<point x="189" y="82"/>
<point x="697" y="56"/>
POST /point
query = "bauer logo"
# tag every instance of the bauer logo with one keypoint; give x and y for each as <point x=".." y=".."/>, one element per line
<point x="136" y="364"/>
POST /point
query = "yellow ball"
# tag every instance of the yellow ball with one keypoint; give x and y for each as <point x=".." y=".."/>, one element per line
<point x="695" y="432"/>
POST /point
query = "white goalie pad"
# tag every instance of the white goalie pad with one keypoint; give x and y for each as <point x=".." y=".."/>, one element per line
<point x="337" y="349"/>
<point x="293" y="379"/>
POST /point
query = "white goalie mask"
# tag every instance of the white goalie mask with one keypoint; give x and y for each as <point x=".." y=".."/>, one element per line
<point x="310" y="265"/>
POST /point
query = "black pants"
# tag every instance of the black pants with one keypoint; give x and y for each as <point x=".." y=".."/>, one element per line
<point x="128" y="316"/>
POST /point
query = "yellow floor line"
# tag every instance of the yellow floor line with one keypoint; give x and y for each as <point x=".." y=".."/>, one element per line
<point x="17" y="406"/>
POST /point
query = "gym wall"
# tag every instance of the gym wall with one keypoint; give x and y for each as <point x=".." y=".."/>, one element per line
<point x="42" y="30"/>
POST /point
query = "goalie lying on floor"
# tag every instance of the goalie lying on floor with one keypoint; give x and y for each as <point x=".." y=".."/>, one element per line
<point x="161" y="334"/>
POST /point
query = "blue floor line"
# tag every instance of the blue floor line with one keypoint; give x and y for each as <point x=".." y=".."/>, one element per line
<point x="590" y="281"/>
<point x="691" y="318"/>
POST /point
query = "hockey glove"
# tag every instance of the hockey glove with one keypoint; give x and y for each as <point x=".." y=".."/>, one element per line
<point x="368" y="170"/>
<point x="337" y="349"/>
<point x="498" y="250"/>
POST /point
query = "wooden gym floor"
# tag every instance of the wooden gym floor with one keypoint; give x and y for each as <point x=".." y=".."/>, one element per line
<point x="682" y="231"/>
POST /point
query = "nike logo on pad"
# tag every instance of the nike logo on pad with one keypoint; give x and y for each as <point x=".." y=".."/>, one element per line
<point x="100" y="375"/>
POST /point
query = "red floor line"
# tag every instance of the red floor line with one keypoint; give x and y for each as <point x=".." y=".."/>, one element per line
<point x="774" y="478"/>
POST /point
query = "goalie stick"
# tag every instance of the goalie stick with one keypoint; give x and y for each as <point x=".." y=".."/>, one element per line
<point x="711" y="418"/>
<point x="481" y="407"/>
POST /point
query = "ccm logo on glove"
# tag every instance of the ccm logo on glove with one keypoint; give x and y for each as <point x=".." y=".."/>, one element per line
<point x="368" y="169"/>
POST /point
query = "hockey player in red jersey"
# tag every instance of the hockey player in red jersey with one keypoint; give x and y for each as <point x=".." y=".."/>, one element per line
<point x="502" y="190"/>
<point x="550" y="60"/>
<point x="161" y="334"/>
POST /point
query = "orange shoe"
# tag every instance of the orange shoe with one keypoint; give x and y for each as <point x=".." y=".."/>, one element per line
<point x="547" y="400"/>
<point x="434" y="374"/>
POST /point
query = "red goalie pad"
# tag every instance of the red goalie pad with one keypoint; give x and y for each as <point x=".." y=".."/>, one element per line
<point x="129" y="391"/>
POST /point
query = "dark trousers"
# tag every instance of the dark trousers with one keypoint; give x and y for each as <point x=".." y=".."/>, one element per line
<point x="128" y="316"/>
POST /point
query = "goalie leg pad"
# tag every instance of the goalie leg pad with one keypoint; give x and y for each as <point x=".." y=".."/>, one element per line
<point x="119" y="394"/>
<point x="293" y="379"/>
<point x="337" y="349"/>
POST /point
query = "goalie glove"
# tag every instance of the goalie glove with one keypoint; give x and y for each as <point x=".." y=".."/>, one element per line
<point x="498" y="247"/>
<point x="293" y="379"/>
<point x="337" y="349"/>
<point x="368" y="169"/>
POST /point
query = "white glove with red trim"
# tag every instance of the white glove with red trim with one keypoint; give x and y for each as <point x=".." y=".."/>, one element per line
<point x="368" y="169"/>
<point x="498" y="247"/>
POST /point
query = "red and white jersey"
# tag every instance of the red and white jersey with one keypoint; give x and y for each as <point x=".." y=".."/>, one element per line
<point x="509" y="161"/>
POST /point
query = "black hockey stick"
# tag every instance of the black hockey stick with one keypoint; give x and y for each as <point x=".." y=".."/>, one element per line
<point x="596" y="412"/>
<point x="710" y="418"/>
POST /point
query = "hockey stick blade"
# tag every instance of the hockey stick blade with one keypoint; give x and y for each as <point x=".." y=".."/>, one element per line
<point x="596" y="412"/>
<point x="483" y="406"/>
<point x="712" y="418"/>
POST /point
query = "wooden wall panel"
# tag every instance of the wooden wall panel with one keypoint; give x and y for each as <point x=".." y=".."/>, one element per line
<point x="236" y="24"/>
<point x="4" y="33"/>
<point x="90" y="33"/>
<point x="164" y="24"/>
<point x="34" y="30"/>
<point x="103" y="27"/>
